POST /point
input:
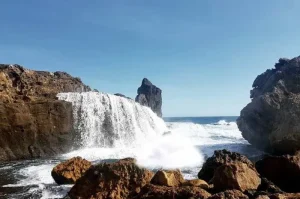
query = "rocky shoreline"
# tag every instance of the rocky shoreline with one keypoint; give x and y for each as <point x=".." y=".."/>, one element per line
<point x="225" y="175"/>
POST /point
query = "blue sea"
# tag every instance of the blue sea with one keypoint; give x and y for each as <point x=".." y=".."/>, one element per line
<point x="186" y="145"/>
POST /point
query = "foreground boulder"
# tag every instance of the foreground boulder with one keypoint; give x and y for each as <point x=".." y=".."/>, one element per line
<point x="221" y="157"/>
<point x="70" y="171"/>
<point x="151" y="191"/>
<point x="236" y="176"/>
<point x="280" y="196"/>
<point x="167" y="178"/>
<point x="196" y="183"/>
<point x="119" y="180"/>
<point x="284" y="171"/>
<point x="33" y="123"/>
<point x="229" y="194"/>
<point x="271" y="121"/>
<point x="150" y="95"/>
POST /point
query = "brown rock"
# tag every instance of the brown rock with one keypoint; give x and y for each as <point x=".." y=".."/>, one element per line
<point x="229" y="194"/>
<point x="283" y="171"/>
<point x="119" y="180"/>
<point x="151" y="191"/>
<point x="70" y="171"/>
<point x="236" y="176"/>
<point x="167" y="178"/>
<point x="221" y="157"/>
<point x="196" y="183"/>
<point x="285" y="196"/>
<point x="262" y="197"/>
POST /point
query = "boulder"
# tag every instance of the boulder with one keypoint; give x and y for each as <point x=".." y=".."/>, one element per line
<point x="70" y="171"/>
<point x="150" y="95"/>
<point x="283" y="171"/>
<point x="268" y="187"/>
<point x="221" y="157"/>
<point x="119" y="180"/>
<point x="33" y="123"/>
<point x="151" y="191"/>
<point x="229" y="194"/>
<point x="235" y="176"/>
<point x="280" y="196"/>
<point x="167" y="178"/>
<point x="270" y="121"/>
<point x="196" y="183"/>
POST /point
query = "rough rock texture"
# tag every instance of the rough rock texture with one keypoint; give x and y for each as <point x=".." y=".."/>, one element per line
<point x="221" y="157"/>
<point x="149" y="95"/>
<point x="119" y="180"/>
<point x="70" y="171"/>
<point x="229" y="194"/>
<point x="235" y="176"/>
<point x="162" y="192"/>
<point x="32" y="122"/>
<point x="280" y="196"/>
<point x="283" y="171"/>
<point x="196" y="183"/>
<point x="268" y="187"/>
<point x="167" y="178"/>
<point x="271" y="121"/>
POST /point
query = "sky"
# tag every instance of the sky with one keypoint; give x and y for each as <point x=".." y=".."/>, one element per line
<point x="203" y="54"/>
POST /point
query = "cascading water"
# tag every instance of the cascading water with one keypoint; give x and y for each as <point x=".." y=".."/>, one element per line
<point x="104" y="120"/>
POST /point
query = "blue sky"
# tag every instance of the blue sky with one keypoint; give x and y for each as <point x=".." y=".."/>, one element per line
<point x="203" y="54"/>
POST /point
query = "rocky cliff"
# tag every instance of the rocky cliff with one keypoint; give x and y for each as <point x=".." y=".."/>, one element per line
<point x="33" y="123"/>
<point x="271" y="121"/>
<point x="150" y="95"/>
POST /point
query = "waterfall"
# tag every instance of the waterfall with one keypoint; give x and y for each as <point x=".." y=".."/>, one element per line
<point x="104" y="120"/>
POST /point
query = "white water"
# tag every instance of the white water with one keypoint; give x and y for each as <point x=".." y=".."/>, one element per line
<point x="112" y="127"/>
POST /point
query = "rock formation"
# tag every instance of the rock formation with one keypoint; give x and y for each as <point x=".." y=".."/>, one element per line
<point x="33" y="123"/>
<point x="167" y="178"/>
<point x="70" y="171"/>
<point x="271" y="121"/>
<point x="150" y="95"/>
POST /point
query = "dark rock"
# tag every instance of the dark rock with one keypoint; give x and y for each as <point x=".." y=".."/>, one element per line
<point x="119" y="180"/>
<point x="221" y="157"/>
<point x="121" y="95"/>
<point x="33" y="123"/>
<point x="150" y="95"/>
<point x="283" y="171"/>
<point x="229" y="194"/>
<point x="268" y="187"/>
<point x="271" y="121"/>
<point x="235" y="176"/>
<point x="162" y="192"/>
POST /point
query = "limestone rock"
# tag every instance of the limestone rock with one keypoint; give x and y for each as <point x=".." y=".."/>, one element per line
<point x="119" y="180"/>
<point x="70" y="171"/>
<point x="196" y="183"/>
<point x="167" y="178"/>
<point x="150" y="95"/>
<point x="271" y="120"/>
<point x="236" y="176"/>
<point x="221" y="157"/>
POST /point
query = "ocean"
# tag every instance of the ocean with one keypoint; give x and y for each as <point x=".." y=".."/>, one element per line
<point x="186" y="144"/>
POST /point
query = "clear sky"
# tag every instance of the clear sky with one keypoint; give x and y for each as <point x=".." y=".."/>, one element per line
<point x="203" y="54"/>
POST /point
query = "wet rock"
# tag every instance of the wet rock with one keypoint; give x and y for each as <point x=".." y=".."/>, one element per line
<point x="196" y="183"/>
<point x="268" y="187"/>
<point x="271" y="121"/>
<point x="235" y="176"/>
<point x="167" y="178"/>
<point x="229" y="194"/>
<point x="70" y="171"/>
<point x="283" y="171"/>
<point x="150" y="95"/>
<point x="151" y="191"/>
<point x="221" y="157"/>
<point x="119" y="180"/>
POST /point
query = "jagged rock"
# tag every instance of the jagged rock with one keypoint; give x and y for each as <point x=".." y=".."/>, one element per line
<point x="196" y="183"/>
<point x="151" y="191"/>
<point x="150" y="95"/>
<point x="229" y="194"/>
<point x="283" y="171"/>
<point x="221" y="157"/>
<point x="235" y="176"/>
<point x="121" y="95"/>
<point x="268" y="187"/>
<point x="271" y="121"/>
<point x="33" y="123"/>
<point x="280" y="196"/>
<point x="167" y="178"/>
<point x="120" y="180"/>
<point x="70" y="171"/>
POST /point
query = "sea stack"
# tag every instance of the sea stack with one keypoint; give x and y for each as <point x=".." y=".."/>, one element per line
<point x="150" y="95"/>
<point x="271" y="120"/>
